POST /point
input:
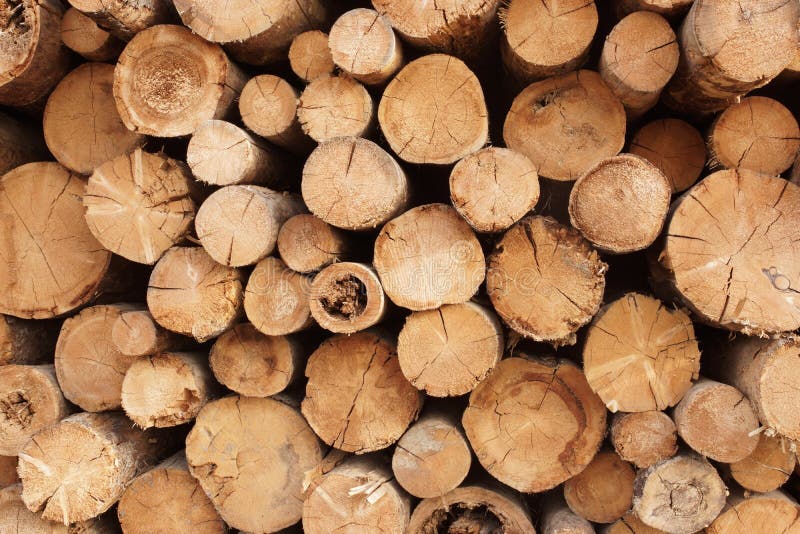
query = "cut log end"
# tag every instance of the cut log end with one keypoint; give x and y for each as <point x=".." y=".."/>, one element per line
<point x="602" y="492"/>
<point x="268" y="106"/>
<point x="266" y="432"/>
<point x="363" y="45"/>
<point x="640" y="355"/>
<point x="136" y="333"/>
<point x="533" y="56"/>
<point x="347" y="297"/>
<point x="675" y="147"/>
<point x="768" y="467"/>
<point x="253" y="364"/>
<point x="369" y="405"/>
<point x="432" y="458"/>
<point x="191" y="294"/>
<point x="564" y="125"/>
<point x="307" y="244"/>
<point x="434" y="111"/>
<point x="557" y="518"/>
<point x="448" y="351"/>
<point x="276" y="299"/>
<point x="310" y="56"/>
<point x="774" y="511"/>
<point x="494" y="188"/>
<point x="567" y="423"/>
<point x="82" y="35"/>
<point x="620" y="204"/>
<point x="672" y="9"/>
<point x="126" y="19"/>
<point x="335" y="106"/>
<point x="138" y="205"/>
<point x="354" y="184"/>
<point x="427" y="257"/>
<point x="644" y="438"/>
<point x="540" y="264"/>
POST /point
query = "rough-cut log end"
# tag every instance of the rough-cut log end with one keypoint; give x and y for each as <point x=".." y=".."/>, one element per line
<point x="253" y="364"/>
<point x="494" y="188"/>
<point x="138" y="205"/>
<point x="602" y="492"/>
<point x="233" y="439"/>
<point x="168" y="499"/>
<point x="433" y="457"/>
<point x="347" y="297"/>
<point x="640" y="355"/>
<point x="238" y="225"/>
<point x="472" y="509"/>
<point x="427" y="257"/>
<point x="557" y="518"/>
<point x="566" y="423"/>
<point x="268" y="106"/>
<point x="30" y="400"/>
<point x="310" y="56"/>
<point x="368" y="404"/>
<point x="363" y="45"/>
<point x="307" y="244"/>
<point x="434" y="111"/>
<point x="448" y="351"/>
<point x="774" y="511"/>
<point x="675" y="147"/>
<point x="566" y="124"/>
<point x="167" y="389"/>
<point x="354" y="184"/>
<point x="544" y="266"/>
<point x="335" y="106"/>
<point x="136" y="333"/>
<point x="59" y="271"/>
<point x="560" y="42"/>
<point x="360" y="491"/>
<point x="276" y="299"/>
<point x="768" y="467"/>
<point x="620" y="203"/>
<point x="730" y="255"/>
<point x="191" y="294"/>
<point x="679" y="496"/>
<point x="758" y="133"/>
<point x="168" y="81"/>
<point x="644" y="438"/>
<point x="83" y="36"/>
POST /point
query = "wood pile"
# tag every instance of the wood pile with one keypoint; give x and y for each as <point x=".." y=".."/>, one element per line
<point x="399" y="266"/>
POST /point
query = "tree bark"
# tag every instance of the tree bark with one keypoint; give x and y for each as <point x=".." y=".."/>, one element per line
<point x="143" y="508"/>
<point x="531" y="56"/>
<point x="60" y="271"/>
<point x="433" y="457"/>
<point x="335" y="106"/>
<point x="308" y="244"/>
<point x="276" y="299"/>
<point x="364" y="46"/>
<point x="434" y="111"/>
<point x="360" y="491"/>
<point x="265" y="432"/>
<point x="620" y="204"/>
<point x="567" y="423"/>
<point x="640" y="355"/>
<point x="138" y="205"/>
<point x="644" y="438"/>
<point x="83" y="36"/>
<point x="730" y="48"/>
<point x="168" y="81"/>
<point x="268" y="106"/>
<point x="566" y="124"/>
<point x="77" y="469"/>
<point x="191" y="294"/>
<point x="602" y="492"/>
<point x="30" y="400"/>
<point x="354" y="184"/>
<point x="369" y="404"/>
<point x="253" y="364"/>
<point x="493" y="188"/>
<point x="540" y="264"/>
<point x="639" y="57"/>
<point x="733" y="263"/>
<point x="427" y="257"/>
<point x="310" y="56"/>
<point x="34" y="57"/>
<point x="257" y="32"/>
<point x="125" y="18"/>
<point x="757" y="133"/>
<point x="446" y="352"/>
<point x="675" y="147"/>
